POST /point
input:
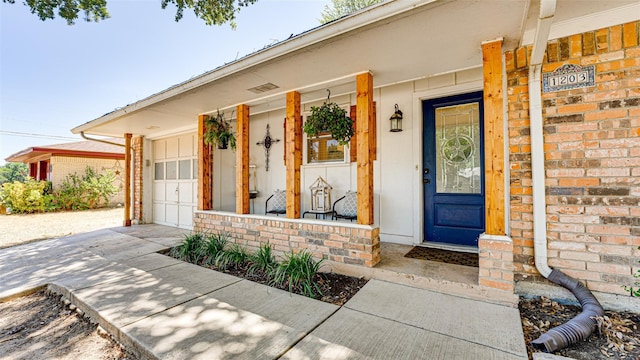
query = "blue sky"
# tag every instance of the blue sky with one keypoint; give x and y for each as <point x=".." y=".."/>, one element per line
<point x="54" y="77"/>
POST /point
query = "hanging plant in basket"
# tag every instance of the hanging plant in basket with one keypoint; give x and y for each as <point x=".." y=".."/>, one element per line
<point x="218" y="132"/>
<point x="331" y="118"/>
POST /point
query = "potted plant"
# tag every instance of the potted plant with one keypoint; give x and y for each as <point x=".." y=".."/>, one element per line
<point x="218" y="132"/>
<point x="329" y="118"/>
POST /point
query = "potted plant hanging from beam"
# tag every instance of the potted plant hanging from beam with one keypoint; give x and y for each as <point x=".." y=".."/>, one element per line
<point x="218" y="132"/>
<point x="329" y="118"/>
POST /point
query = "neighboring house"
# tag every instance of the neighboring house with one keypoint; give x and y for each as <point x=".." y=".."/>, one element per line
<point x="486" y="161"/>
<point x="55" y="162"/>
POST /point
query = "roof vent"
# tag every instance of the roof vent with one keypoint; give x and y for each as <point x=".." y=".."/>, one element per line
<point x="263" y="88"/>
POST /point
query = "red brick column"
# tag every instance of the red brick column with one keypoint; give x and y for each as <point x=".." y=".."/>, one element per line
<point x="138" y="167"/>
<point x="496" y="262"/>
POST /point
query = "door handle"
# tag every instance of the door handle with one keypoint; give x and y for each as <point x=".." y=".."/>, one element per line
<point x="426" y="181"/>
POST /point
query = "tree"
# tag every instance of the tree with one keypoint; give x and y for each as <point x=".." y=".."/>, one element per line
<point x="13" y="171"/>
<point x="213" y="12"/>
<point x="340" y="8"/>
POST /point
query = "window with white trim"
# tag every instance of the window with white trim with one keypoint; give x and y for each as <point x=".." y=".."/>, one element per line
<point x="323" y="149"/>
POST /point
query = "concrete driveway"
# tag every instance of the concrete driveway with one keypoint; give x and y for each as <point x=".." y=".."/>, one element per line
<point x="164" y="308"/>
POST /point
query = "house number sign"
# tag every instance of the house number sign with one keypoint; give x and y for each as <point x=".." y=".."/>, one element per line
<point x="567" y="77"/>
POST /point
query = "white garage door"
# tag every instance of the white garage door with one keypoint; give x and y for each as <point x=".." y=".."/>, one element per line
<point x="175" y="184"/>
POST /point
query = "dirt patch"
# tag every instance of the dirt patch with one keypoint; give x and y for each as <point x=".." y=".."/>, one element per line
<point x="41" y="326"/>
<point x="617" y="338"/>
<point x="24" y="228"/>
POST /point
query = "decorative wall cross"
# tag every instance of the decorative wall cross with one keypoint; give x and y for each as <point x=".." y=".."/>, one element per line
<point x="266" y="143"/>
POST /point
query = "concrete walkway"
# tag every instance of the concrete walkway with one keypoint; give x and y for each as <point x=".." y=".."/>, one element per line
<point x="164" y="308"/>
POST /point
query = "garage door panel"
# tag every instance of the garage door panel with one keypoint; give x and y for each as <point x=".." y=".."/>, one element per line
<point x="159" y="213"/>
<point x="172" y="148"/>
<point x="185" y="213"/>
<point x="171" y="214"/>
<point x="171" y="192"/>
<point x="185" y="193"/>
<point x="175" y="186"/>
<point x="158" y="191"/>
<point x="186" y="146"/>
<point x="159" y="149"/>
<point x="194" y="192"/>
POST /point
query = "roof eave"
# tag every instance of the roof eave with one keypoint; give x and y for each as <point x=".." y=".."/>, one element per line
<point x="349" y="23"/>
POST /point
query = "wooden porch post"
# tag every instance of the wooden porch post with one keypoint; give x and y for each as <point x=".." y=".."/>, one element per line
<point x="242" y="160"/>
<point x="205" y="168"/>
<point x="494" y="138"/>
<point x="293" y="153"/>
<point x="127" y="179"/>
<point x="365" y="131"/>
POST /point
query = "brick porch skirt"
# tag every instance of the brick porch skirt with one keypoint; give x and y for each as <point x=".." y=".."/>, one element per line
<point x="341" y="242"/>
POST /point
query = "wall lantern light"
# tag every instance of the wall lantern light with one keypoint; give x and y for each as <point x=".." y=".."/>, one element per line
<point x="396" y="120"/>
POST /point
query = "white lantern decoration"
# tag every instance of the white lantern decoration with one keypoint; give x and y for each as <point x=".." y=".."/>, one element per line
<point x="320" y="195"/>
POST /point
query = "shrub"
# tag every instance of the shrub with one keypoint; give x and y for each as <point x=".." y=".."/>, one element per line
<point x="23" y="197"/>
<point x="189" y="248"/>
<point x="263" y="260"/>
<point x="213" y="246"/>
<point x="235" y="256"/>
<point x="298" y="271"/>
<point x="88" y="191"/>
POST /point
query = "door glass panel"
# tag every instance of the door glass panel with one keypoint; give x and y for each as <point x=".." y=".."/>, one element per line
<point x="458" y="149"/>
<point x="185" y="169"/>
<point x="172" y="170"/>
<point x="159" y="171"/>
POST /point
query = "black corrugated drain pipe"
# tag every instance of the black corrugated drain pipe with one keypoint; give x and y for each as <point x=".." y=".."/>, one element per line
<point x="580" y="327"/>
<point x="577" y="329"/>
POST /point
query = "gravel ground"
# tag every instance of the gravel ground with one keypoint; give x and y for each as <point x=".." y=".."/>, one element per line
<point x="19" y="229"/>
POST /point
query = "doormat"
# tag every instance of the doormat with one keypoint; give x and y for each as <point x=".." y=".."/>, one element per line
<point x="445" y="256"/>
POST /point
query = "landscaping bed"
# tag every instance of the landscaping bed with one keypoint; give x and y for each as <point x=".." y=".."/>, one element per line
<point x="618" y="336"/>
<point x="298" y="273"/>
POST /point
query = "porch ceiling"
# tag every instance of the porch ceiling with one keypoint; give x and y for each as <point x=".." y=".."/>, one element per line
<point x="396" y="42"/>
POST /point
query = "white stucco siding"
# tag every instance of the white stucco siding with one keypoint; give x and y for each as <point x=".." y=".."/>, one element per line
<point x="61" y="166"/>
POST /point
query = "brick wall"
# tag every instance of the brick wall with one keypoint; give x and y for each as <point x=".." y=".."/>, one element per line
<point x="592" y="160"/>
<point x="337" y="241"/>
<point x="138" y="166"/>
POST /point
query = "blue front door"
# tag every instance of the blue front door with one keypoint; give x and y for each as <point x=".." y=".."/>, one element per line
<point x="453" y="169"/>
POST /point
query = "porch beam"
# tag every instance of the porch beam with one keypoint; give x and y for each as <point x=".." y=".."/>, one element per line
<point x="242" y="159"/>
<point x="293" y="153"/>
<point x="127" y="179"/>
<point x="494" y="138"/>
<point x="205" y="168"/>
<point x="365" y="131"/>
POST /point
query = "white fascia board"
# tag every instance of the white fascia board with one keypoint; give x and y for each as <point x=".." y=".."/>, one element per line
<point x="365" y="17"/>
